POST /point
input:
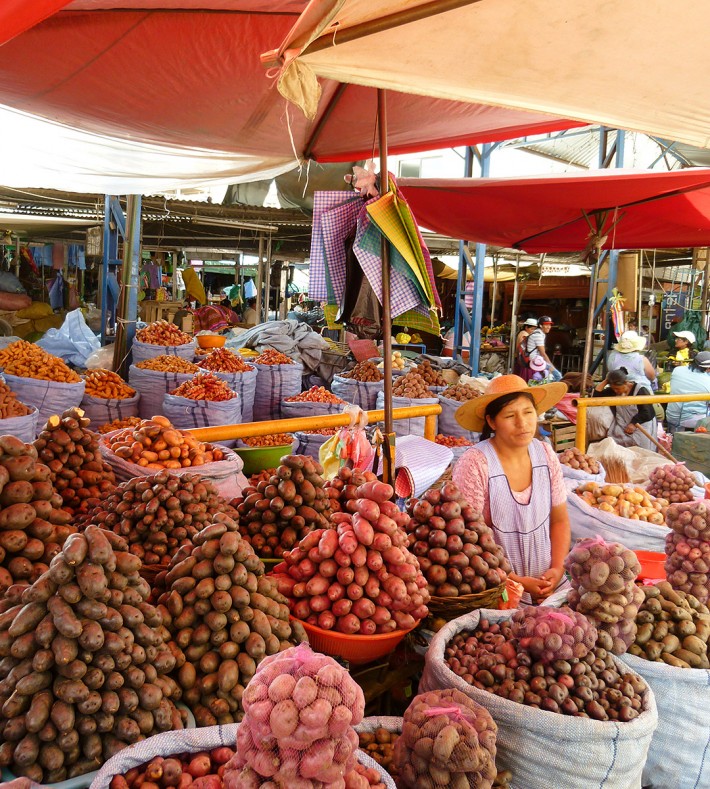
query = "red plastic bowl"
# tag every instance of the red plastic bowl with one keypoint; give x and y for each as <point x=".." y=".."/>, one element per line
<point x="652" y="566"/>
<point x="355" y="649"/>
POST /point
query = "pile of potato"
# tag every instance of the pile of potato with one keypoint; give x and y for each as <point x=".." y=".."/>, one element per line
<point x="431" y="376"/>
<point x="119" y="424"/>
<point x="576" y="459"/>
<point x="452" y="441"/>
<point x="168" y="364"/>
<point x="411" y="385"/>
<point x="225" y="616"/>
<point x="156" y="445"/>
<point x="71" y="451"/>
<point x="278" y="513"/>
<point x="447" y="741"/>
<point x="603" y="577"/>
<point x="455" y="547"/>
<point x="163" y="333"/>
<point x="343" y="488"/>
<point x="159" y="514"/>
<point x="491" y="659"/>
<point x="673" y="483"/>
<point x="460" y="392"/>
<point x="202" y="770"/>
<point x="222" y="360"/>
<point x="272" y="357"/>
<point x="107" y="385"/>
<point x="673" y="628"/>
<point x="33" y="527"/>
<point x="9" y="404"/>
<point x="273" y="440"/>
<point x="688" y="548"/>
<point x="27" y="360"/>
<point x="398" y="362"/>
<point x="84" y="665"/>
<point x="627" y="501"/>
<point x="364" y="371"/>
<point x="205" y="386"/>
<point x="360" y="577"/>
<point x="379" y="744"/>
<point x="316" y="394"/>
<point x="300" y="709"/>
<point x="323" y="431"/>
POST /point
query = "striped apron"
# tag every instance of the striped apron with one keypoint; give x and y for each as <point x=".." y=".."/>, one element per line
<point x="523" y="530"/>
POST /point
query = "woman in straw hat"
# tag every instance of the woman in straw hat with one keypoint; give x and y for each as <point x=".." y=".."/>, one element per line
<point x="516" y="481"/>
<point x="627" y="353"/>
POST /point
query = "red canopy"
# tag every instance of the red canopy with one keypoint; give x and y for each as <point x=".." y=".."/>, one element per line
<point x="188" y="73"/>
<point x="634" y="210"/>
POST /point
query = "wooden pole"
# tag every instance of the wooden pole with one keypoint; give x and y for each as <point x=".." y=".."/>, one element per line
<point x="127" y="311"/>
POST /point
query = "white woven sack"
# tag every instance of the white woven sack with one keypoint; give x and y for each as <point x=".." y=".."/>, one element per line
<point x="586" y="521"/>
<point x="146" y="350"/>
<point x="244" y="384"/>
<point x="22" y="427"/>
<point x="309" y="444"/>
<point x="582" y="476"/>
<point x="101" y="410"/>
<point x="546" y="749"/>
<point x="448" y="425"/>
<point x="274" y="383"/>
<point x="187" y="414"/>
<point x="407" y="427"/>
<point x="48" y="397"/>
<point x="152" y="386"/>
<point x="206" y="738"/>
<point x="362" y="393"/>
<point x="297" y="409"/>
<point x="225" y="474"/>
<point x="679" y="756"/>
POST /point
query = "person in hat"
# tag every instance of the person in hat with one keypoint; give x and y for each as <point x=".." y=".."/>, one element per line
<point x="626" y="418"/>
<point x="689" y="380"/>
<point x="522" y="359"/>
<point x="516" y="481"/>
<point x="684" y="342"/>
<point x="535" y="345"/>
<point x="627" y="353"/>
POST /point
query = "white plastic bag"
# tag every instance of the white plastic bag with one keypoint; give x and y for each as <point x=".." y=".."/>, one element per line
<point x="223" y="474"/>
<point x="187" y="414"/>
<point x="362" y="393"/>
<point x="448" y="425"/>
<point x="48" y="397"/>
<point x="582" y="476"/>
<point x="639" y="462"/>
<point x="206" y="738"/>
<point x="101" y="359"/>
<point x="22" y="427"/>
<point x="101" y="410"/>
<point x="586" y="521"/>
<point x="407" y="427"/>
<point x="274" y="383"/>
<point x="146" y="350"/>
<point x="153" y="385"/>
<point x="678" y="756"/>
<point x="73" y="341"/>
<point x="547" y="749"/>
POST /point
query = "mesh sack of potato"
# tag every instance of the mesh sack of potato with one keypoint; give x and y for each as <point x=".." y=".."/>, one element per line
<point x="603" y="577"/>
<point x="33" y="525"/>
<point x="71" y="451"/>
<point x="674" y="483"/>
<point x="299" y="711"/>
<point x="448" y="741"/>
<point x="688" y="548"/>
<point x="549" y="634"/>
<point x="280" y="511"/>
<point x="225" y="616"/>
<point x="84" y="663"/>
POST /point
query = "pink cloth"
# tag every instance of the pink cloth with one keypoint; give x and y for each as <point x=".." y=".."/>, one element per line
<point x="471" y="475"/>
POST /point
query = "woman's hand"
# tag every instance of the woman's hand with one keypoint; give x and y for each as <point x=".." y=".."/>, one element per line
<point x="630" y="429"/>
<point x="535" y="587"/>
<point x="551" y="579"/>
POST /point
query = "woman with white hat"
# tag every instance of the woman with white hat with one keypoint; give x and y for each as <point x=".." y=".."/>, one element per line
<point x="684" y="342"/>
<point x="516" y="482"/>
<point x="627" y="354"/>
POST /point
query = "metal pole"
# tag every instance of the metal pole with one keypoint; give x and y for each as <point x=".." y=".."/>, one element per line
<point x="478" y="279"/>
<point x="388" y="459"/>
<point x="495" y="290"/>
<point x="512" y="350"/>
<point x="127" y="312"/>
<point x="462" y="279"/>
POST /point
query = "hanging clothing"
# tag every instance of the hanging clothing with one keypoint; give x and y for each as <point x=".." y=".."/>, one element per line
<point x="624" y="415"/>
<point x="520" y="520"/>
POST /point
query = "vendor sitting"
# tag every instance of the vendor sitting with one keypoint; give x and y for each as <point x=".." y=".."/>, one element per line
<point x="625" y="419"/>
<point x="684" y="351"/>
<point x="516" y="481"/>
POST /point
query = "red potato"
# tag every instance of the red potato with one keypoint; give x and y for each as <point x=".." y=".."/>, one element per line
<point x="326" y="620"/>
<point x="346" y="575"/>
<point x="341" y="607"/>
<point x="377" y="491"/>
<point x="320" y="603"/>
<point x="207" y="782"/>
<point x="336" y="591"/>
<point x="368" y="627"/>
<point x="318" y="585"/>
<point x="221" y="755"/>
<point x="362" y="527"/>
<point x="348" y="624"/>
<point x="199" y="765"/>
<point x="364" y="608"/>
<point x="367" y="509"/>
<point x="328" y="543"/>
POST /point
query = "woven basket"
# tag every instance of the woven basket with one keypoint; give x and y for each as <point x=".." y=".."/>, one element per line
<point x="453" y="607"/>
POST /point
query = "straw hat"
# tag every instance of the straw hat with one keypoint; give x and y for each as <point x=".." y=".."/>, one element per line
<point x="686" y="335"/>
<point x="471" y="415"/>
<point x="630" y="341"/>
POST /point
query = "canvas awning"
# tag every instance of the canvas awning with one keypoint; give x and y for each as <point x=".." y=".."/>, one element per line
<point x="636" y="64"/>
<point x="627" y="210"/>
<point x="144" y="95"/>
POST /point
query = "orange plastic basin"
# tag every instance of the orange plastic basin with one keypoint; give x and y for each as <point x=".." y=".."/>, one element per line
<point x="210" y="340"/>
<point x="652" y="565"/>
